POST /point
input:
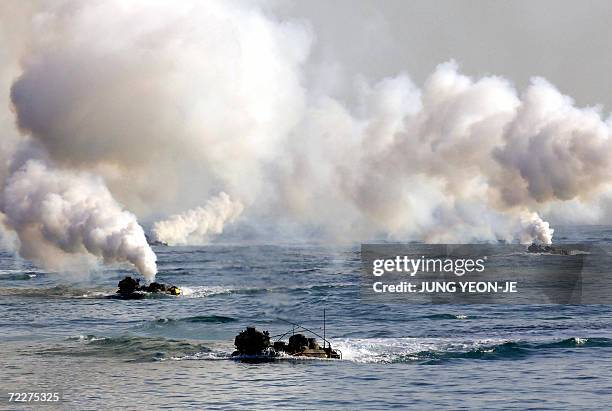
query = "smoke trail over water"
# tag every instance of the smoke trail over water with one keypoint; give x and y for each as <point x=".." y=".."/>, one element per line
<point x="197" y="225"/>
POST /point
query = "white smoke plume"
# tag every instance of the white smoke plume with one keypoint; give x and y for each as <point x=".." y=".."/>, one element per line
<point x="534" y="230"/>
<point x="196" y="226"/>
<point x="168" y="101"/>
<point x="216" y="84"/>
<point x="58" y="215"/>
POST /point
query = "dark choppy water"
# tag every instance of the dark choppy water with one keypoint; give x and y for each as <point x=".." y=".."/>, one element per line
<point x="59" y="334"/>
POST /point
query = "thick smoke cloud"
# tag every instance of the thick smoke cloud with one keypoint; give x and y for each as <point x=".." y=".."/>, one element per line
<point x="58" y="215"/>
<point x="476" y="155"/>
<point x="173" y="102"/>
<point x="553" y="150"/>
<point x="170" y="94"/>
<point x="198" y="225"/>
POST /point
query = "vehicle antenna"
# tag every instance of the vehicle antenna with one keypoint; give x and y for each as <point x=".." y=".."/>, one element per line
<point x="323" y="328"/>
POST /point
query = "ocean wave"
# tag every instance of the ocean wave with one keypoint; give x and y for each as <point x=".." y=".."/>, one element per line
<point x="209" y="319"/>
<point x="174" y="271"/>
<point x="129" y="348"/>
<point x="58" y="291"/>
<point x="18" y="276"/>
<point x="445" y="317"/>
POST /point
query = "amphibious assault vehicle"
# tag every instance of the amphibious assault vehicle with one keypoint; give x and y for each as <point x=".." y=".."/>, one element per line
<point x="155" y="242"/>
<point x="130" y="288"/>
<point x="254" y="344"/>
<point x="547" y="249"/>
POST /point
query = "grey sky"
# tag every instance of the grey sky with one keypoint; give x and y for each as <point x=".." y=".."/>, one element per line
<point x="565" y="41"/>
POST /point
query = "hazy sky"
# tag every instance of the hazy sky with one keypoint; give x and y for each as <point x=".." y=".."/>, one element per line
<point x="565" y="41"/>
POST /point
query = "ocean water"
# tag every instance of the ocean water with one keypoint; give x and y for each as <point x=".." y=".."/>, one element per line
<point x="63" y="334"/>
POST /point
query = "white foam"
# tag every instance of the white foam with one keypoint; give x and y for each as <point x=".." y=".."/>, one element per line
<point x="89" y="338"/>
<point x="205" y="291"/>
<point x="207" y="355"/>
<point x="384" y="350"/>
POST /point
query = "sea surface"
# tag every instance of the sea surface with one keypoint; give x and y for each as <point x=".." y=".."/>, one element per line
<point x="61" y="333"/>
